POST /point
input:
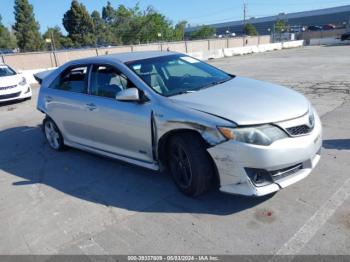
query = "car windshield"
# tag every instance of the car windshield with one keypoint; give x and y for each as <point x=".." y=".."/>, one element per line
<point x="6" y="71"/>
<point x="177" y="74"/>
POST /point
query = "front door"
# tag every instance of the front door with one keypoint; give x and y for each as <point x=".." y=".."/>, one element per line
<point x="120" y="128"/>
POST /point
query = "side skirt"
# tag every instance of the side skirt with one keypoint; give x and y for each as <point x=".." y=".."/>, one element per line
<point x="148" y="165"/>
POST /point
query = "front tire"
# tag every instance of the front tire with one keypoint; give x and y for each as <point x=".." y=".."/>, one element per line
<point x="53" y="135"/>
<point x="190" y="164"/>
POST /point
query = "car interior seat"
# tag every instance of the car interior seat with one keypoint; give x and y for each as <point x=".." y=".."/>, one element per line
<point x="150" y="76"/>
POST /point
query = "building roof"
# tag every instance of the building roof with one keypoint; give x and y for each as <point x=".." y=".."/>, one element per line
<point x="285" y="16"/>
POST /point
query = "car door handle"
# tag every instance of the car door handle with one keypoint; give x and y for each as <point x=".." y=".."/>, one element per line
<point x="91" y="106"/>
<point x="48" y="99"/>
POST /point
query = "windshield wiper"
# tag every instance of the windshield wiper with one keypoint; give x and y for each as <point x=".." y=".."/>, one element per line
<point x="183" y="92"/>
<point x="215" y="83"/>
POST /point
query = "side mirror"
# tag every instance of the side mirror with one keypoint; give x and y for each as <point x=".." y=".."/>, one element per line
<point x="130" y="94"/>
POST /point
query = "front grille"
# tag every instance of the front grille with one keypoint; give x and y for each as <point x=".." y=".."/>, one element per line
<point x="9" y="96"/>
<point x="7" y="87"/>
<point x="299" y="130"/>
<point x="284" y="172"/>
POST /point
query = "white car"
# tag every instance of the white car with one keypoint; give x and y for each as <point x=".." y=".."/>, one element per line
<point x="13" y="86"/>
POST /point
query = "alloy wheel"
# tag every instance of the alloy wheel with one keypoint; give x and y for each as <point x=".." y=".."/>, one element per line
<point x="52" y="135"/>
<point x="180" y="166"/>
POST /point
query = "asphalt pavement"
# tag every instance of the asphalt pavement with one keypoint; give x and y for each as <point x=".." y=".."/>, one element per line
<point x="73" y="202"/>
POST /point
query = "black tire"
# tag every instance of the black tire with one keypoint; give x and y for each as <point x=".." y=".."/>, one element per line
<point x="56" y="143"/>
<point x="190" y="164"/>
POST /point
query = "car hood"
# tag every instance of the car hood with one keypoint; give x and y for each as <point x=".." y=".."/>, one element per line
<point x="10" y="80"/>
<point x="247" y="102"/>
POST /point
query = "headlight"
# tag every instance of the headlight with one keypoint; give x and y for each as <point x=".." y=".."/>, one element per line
<point x="259" y="135"/>
<point x="23" y="82"/>
<point x="311" y="117"/>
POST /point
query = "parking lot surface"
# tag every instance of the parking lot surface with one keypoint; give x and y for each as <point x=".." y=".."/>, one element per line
<point x="74" y="202"/>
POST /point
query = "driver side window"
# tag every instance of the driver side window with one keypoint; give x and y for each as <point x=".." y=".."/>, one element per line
<point x="107" y="81"/>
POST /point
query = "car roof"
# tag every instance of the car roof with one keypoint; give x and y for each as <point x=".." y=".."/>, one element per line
<point x="126" y="57"/>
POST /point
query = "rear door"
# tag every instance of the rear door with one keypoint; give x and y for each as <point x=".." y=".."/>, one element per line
<point x="66" y="103"/>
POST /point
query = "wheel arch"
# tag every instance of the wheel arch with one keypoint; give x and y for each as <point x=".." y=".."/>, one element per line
<point x="62" y="143"/>
<point x="163" y="144"/>
<point x="47" y="117"/>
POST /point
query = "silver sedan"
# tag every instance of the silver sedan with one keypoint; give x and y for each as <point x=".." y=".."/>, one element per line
<point x="165" y="110"/>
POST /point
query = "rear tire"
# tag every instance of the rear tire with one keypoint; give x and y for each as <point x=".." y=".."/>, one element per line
<point x="190" y="164"/>
<point x="53" y="135"/>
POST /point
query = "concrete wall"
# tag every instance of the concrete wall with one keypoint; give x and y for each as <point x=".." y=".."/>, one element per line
<point x="204" y="54"/>
<point x="65" y="56"/>
<point x="114" y="50"/>
<point x="28" y="61"/>
<point x="176" y="46"/>
<point x="265" y="39"/>
<point x="150" y="47"/>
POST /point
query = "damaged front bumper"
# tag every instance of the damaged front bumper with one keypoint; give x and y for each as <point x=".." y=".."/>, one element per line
<point x="286" y="162"/>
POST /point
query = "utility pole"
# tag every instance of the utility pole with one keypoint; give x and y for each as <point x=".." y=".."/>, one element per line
<point x="244" y="19"/>
<point x="53" y="48"/>
<point x="244" y="12"/>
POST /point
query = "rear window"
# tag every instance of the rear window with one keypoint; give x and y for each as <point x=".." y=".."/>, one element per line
<point x="6" y="71"/>
<point x="72" y="80"/>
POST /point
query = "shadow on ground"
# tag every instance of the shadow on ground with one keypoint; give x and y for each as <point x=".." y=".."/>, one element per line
<point x="25" y="155"/>
<point x="340" y="144"/>
<point x="12" y="105"/>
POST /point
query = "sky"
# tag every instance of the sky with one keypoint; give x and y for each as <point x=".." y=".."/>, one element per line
<point x="196" y="12"/>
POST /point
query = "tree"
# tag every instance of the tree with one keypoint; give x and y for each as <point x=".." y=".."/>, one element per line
<point x="133" y="25"/>
<point x="59" y="40"/>
<point x="26" y="27"/>
<point x="249" y="29"/>
<point x="122" y="25"/>
<point x="109" y="14"/>
<point x="154" y="27"/>
<point x="66" y="42"/>
<point x="103" y="33"/>
<point x="126" y="24"/>
<point x="179" y="31"/>
<point x="203" y="33"/>
<point x="7" y="39"/>
<point x="79" y="25"/>
<point x="280" y="26"/>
